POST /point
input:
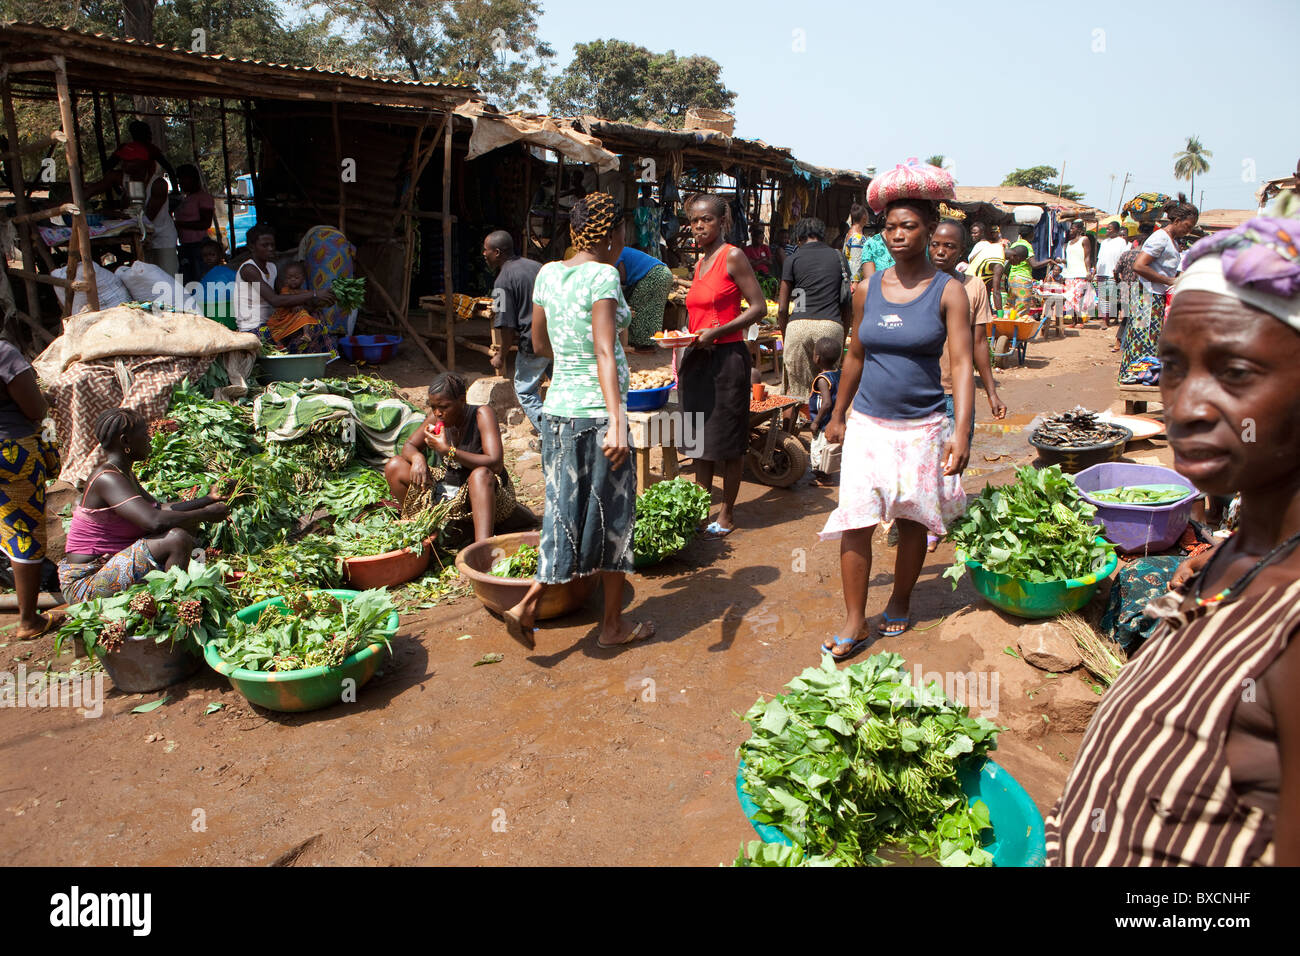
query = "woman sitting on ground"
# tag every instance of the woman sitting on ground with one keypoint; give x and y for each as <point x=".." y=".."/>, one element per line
<point x="120" y="532"/>
<point x="470" y="471"/>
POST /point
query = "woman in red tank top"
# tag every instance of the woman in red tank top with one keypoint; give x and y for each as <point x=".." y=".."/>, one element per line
<point x="713" y="376"/>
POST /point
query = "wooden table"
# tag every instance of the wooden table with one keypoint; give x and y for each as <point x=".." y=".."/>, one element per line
<point x="661" y="429"/>
<point x="1136" y="397"/>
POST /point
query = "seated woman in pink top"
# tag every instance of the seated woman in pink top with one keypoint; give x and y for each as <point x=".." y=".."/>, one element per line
<point x="119" y="532"/>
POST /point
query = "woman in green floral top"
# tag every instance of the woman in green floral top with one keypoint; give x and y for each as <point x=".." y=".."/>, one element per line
<point x="578" y="311"/>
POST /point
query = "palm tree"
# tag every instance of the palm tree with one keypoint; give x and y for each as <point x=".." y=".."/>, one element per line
<point x="935" y="160"/>
<point x="1192" y="160"/>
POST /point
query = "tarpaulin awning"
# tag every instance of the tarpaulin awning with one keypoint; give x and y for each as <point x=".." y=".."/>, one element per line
<point x="493" y="130"/>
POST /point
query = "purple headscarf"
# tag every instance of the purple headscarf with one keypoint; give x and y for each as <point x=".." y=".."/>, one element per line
<point x="1261" y="255"/>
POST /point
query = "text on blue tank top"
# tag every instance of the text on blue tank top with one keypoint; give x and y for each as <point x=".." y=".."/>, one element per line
<point x="903" y="342"/>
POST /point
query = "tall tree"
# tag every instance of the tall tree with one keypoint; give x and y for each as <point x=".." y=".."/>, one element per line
<point x="617" y="80"/>
<point x="1190" y="160"/>
<point x="1043" y="178"/>
<point x="489" y="44"/>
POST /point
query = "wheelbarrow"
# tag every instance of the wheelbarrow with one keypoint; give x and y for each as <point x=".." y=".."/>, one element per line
<point x="776" y="456"/>
<point x="1011" y="337"/>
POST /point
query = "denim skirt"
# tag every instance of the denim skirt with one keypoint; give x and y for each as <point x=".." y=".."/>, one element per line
<point x="590" y="506"/>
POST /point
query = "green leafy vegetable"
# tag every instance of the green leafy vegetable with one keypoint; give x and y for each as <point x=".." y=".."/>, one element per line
<point x="350" y="293"/>
<point x="1143" y="494"/>
<point x="521" y="564"/>
<point x="151" y="706"/>
<point x="1039" y="528"/>
<point x="851" y="761"/>
<point x="667" y="516"/>
<point x="308" y="630"/>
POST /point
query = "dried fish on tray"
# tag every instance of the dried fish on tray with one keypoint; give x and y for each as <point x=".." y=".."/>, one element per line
<point x="1079" y="428"/>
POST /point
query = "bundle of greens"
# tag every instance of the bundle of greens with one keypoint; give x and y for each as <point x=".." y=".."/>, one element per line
<point x="667" y="515"/>
<point x="308" y="563"/>
<point x="348" y="493"/>
<point x="328" y="446"/>
<point x="441" y="585"/>
<point x="849" y="762"/>
<point x="521" y="564"/>
<point x="385" y="530"/>
<point x="349" y="293"/>
<point x="264" y="504"/>
<point x="1037" y="529"/>
<point x="308" y="630"/>
<point x="191" y="605"/>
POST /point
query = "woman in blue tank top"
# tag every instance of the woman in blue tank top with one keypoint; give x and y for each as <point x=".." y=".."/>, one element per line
<point x="902" y="460"/>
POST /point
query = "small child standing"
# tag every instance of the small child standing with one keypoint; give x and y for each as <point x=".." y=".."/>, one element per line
<point x="827" y="353"/>
<point x="294" y="328"/>
<point x="1053" y="290"/>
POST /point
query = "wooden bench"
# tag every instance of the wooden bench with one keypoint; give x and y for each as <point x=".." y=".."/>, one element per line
<point x="1136" y="397"/>
<point x="655" y="429"/>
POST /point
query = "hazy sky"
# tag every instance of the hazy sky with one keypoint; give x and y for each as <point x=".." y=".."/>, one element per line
<point x="1106" y="87"/>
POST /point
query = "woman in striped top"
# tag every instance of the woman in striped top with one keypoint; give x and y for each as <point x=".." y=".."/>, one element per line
<point x="1193" y="757"/>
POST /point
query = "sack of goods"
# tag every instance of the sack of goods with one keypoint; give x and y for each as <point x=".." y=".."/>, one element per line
<point x="910" y="180"/>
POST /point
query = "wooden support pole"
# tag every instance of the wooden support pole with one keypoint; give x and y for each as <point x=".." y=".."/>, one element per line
<point x="408" y="227"/>
<point x="225" y="165"/>
<point x="373" y="283"/>
<point x="447" y="292"/>
<point x="72" y="149"/>
<point x="251" y="150"/>
<point x="338" y="170"/>
<point x="40" y="215"/>
<point x="194" y="136"/>
<point x="525" y="234"/>
<point x="15" y="166"/>
<point x="555" y="211"/>
<point x="99" y="133"/>
<point x="112" y="114"/>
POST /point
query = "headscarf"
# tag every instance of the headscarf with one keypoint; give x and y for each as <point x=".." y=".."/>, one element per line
<point x="592" y="219"/>
<point x="1257" y="263"/>
<point x="132" y="152"/>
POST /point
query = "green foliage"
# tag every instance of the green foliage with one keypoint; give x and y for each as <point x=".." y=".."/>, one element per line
<point x="307" y="630"/>
<point x="383" y="530"/>
<point x="350" y="293"/>
<point x="1192" y="160"/>
<point x="308" y="563"/>
<point x="1043" y="178"/>
<point x="667" y="516"/>
<point x="618" y="80"/>
<point x="758" y="853"/>
<point x="1039" y="528"/>
<point x="847" y="762"/>
<point x="348" y="493"/>
<point x="103" y="623"/>
<point x="521" y="564"/>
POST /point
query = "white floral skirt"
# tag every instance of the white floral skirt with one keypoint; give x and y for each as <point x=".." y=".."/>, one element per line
<point x="893" y="469"/>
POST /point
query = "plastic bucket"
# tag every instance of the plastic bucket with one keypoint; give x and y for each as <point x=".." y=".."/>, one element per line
<point x="1017" y="838"/>
<point x="648" y="399"/>
<point x="1137" y="527"/>
<point x="310" y="688"/>
<point x="293" y="368"/>
<point x="1035" y="599"/>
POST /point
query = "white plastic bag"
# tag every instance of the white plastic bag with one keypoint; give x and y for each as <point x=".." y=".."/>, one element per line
<point x="147" y="282"/>
<point x="111" y="291"/>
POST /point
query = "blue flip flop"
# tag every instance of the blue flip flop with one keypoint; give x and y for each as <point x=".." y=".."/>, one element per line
<point x="905" y="621"/>
<point x="715" y="530"/>
<point x="857" y="645"/>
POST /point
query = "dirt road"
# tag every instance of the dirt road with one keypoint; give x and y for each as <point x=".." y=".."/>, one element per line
<point x="567" y="755"/>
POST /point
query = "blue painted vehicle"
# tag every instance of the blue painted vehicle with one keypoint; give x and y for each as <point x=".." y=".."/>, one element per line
<point x="244" y="210"/>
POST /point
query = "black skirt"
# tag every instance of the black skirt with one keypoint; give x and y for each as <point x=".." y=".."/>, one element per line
<point x="714" y="382"/>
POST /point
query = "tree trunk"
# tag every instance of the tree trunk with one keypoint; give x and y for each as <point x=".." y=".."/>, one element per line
<point x="137" y="18"/>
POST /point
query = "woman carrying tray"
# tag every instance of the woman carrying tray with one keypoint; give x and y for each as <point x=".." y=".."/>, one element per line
<point x="902" y="459"/>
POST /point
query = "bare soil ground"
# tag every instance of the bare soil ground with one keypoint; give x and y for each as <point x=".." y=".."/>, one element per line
<point x="570" y="754"/>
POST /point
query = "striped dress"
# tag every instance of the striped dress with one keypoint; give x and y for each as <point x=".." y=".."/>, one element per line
<point x="1151" y="785"/>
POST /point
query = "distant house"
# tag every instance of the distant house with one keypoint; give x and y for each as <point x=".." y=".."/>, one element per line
<point x="1216" y="220"/>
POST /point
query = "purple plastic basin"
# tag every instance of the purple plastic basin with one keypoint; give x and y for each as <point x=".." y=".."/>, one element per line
<point x="1143" y="528"/>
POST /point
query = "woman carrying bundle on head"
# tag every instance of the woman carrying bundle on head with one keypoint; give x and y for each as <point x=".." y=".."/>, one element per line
<point x="120" y="532"/>
<point x="713" y="375"/>
<point x="470" y="471"/>
<point x="578" y="311"/>
<point x="902" y="457"/>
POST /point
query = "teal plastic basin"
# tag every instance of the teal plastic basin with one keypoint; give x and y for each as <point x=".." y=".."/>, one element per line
<point x="1017" y="838"/>
<point x="1036" y="599"/>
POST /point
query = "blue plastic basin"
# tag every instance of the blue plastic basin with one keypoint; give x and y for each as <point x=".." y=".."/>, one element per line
<point x="374" y="349"/>
<point x="648" y="399"/>
<point x="1017" y="840"/>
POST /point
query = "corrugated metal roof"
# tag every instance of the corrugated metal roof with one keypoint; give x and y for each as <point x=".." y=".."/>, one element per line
<point x="1013" y="196"/>
<point x="1225" y="218"/>
<point x="156" y="63"/>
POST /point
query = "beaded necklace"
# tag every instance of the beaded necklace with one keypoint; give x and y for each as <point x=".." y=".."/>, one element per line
<point x="1246" y="578"/>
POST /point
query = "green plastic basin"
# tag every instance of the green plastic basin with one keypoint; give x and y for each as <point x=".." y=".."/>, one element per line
<point x="1017" y="837"/>
<point x="310" y="688"/>
<point x="1038" y="599"/>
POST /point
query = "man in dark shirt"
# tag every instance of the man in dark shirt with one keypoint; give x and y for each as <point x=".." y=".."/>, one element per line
<point x="512" y="303"/>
